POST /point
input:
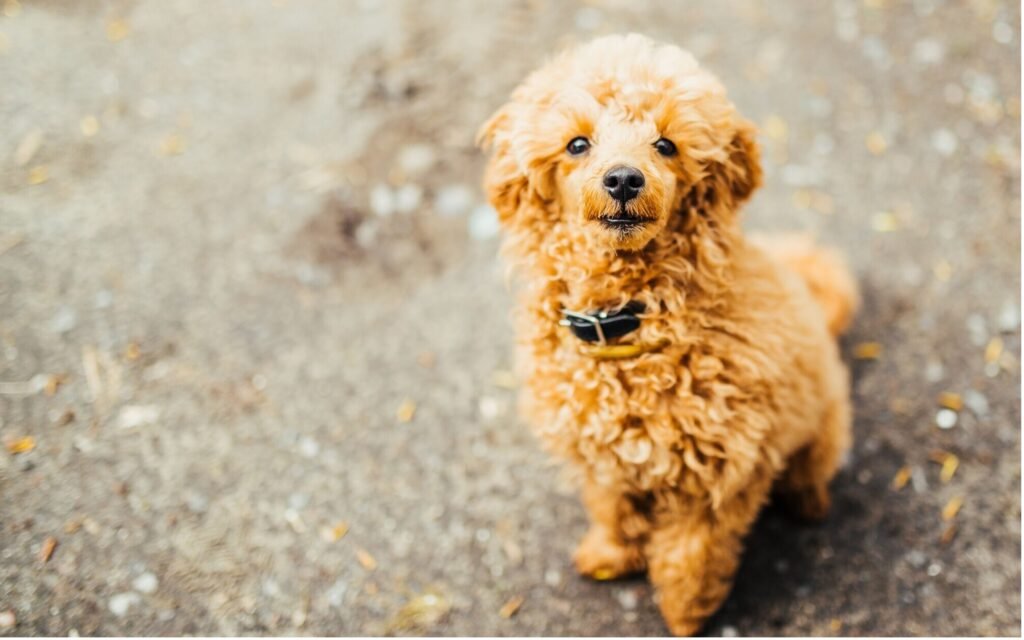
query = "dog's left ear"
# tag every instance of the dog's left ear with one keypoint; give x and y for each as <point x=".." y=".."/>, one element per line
<point x="505" y="183"/>
<point x="739" y="175"/>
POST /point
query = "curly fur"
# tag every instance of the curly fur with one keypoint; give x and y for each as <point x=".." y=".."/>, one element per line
<point x="678" y="448"/>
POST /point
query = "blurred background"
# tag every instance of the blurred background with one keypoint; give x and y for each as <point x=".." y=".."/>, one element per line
<point x="254" y="341"/>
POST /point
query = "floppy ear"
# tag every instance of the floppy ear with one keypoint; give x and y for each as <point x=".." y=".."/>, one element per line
<point x="505" y="183"/>
<point x="740" y="173"/>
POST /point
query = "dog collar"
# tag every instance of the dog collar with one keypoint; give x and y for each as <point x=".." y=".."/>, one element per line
<point x="602" y="326"/>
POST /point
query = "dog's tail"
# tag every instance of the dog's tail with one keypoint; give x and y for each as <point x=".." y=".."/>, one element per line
<point x="824" y="271"/>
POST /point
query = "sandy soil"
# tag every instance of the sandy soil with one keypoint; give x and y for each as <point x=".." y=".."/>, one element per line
<point x="252" y="317"/>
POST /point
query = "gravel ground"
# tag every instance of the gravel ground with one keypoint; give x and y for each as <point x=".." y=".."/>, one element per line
<point x="252" y="319"/>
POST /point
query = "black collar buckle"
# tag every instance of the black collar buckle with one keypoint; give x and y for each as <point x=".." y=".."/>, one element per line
<point x="603" y="326"/>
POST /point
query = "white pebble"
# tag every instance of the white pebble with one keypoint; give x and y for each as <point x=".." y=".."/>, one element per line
<point x="934" y="569"/>
<point x="627" y="599"/>
<point x="490" y="408"/>
<point x="308" y="447"/>
<point x="145" y="583"/>
<point x="945" y="142"/>
<point x="1002" y="33"/>
<point x="1009" y="318"/>
<point x="483" y="223"/>
<point x="64" y="320"/>
<point x="976" y="402"/>
<point x="408" y="198"/>
<point x="453" y="200"/>
<point x="416" y="159"/>
<point x="934" y="371"/>
<point x="945" y="419"/>
<point x="137" y="415"/>
<point x="553" y="577"/>
<point x="729" y="631"/>
<point x="120" y="603"/>
<point x="929" y="51"/>
<point x="382" y="200"/>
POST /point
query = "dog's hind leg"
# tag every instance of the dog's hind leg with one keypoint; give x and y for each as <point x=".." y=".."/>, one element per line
<point x="694" y="551"/>
<point x="611" y="548"/>
<point x="803" y="486"/>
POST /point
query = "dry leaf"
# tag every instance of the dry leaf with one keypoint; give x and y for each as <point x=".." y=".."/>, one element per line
<point x="89" y="126"/>
<point x="943" y="271"/>
<point x="603" y="574"/>
<point x="46" y="551"/>
<point x="884" y="222"/>
<point x="172" y="145"/>
<point x="993" y="350"/>
<point x="28" y="147"/>
<point x="335" y="533"/>
<point x="951" y="400"/>
<point x="835" y="624"/>
<point x="952" y="508"/>
<point x="948" y="533"/>
<point x="38" y="174"/>
<point x="901" y="478"/>
<point x="510" y="608"/>
<point x="117" y="30"/>
<point x="421" y="613"/>
<point x="21" y="445"/>
<point x="369" y="562"/>
<point x="406" y="411"/>
<point x="876" y="143"/>
<point x="949" y="467"/>
<point x="867" y="351"/>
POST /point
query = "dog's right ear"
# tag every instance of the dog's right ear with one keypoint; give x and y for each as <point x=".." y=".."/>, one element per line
<point x="505" y="182"/>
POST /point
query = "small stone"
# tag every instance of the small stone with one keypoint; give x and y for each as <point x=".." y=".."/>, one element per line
<point x="934" y="569"/>
<point x="483" y="223"/>
<point x="415" y="159"/>
<point x="64" y="320"/>
<point x="145" y="583"/>
<point x="298" y="501"/>
<point x="382" y="201"/>
<point x="916" y="558"/>
<point x="270" y="588"/>
<point x="934" y="371"/>
<point x="977" y="330"/>
<point x="627" y="599"/>
<point x="308" y="447"/>
<point x="1002" y="33"/>
<point x="976" y="402"/>
<point x="103" y="299"/>
<point x="408" y="198"/>
<point x="7" y="620"/>
<point x="729" y="631"/>
<point x="945" y="142"/>
<point x="553" y="577"/>
<point x="133" y="416"/>
<point x="1009" y="318"/>
<point x="336" y="593"/>
<point x="453" y="200"/>
<point x="490" y="408"/>
<point x="945" y="419"/>
<point x="929" y="51"/>
<point x="197" y="503"/>
<point x="120" y="603"/>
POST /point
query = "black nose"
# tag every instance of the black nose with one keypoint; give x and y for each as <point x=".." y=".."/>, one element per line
<point x="624" y="183"/>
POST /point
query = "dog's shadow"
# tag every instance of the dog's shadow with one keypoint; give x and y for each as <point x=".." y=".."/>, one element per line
<point x="792" y="569"/>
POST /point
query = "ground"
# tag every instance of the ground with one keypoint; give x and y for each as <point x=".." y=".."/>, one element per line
<point x="255" y="338"/>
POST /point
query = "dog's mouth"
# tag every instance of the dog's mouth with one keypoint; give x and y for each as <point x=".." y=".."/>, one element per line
<point x="624" y="220"/>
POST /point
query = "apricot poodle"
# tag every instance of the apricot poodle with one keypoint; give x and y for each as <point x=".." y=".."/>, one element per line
<point x="684" y="368"/>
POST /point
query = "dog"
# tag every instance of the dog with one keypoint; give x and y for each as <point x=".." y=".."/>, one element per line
<point x="684" y="369"/>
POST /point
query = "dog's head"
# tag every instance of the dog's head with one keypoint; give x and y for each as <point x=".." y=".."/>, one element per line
<point x="617" y="139"/>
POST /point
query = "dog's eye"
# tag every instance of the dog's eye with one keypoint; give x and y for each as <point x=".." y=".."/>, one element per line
<point x="577" y="146"/>
<point x="665" y="147"/>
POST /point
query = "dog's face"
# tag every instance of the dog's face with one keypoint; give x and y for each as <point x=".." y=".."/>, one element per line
<point x="615" y="139"/>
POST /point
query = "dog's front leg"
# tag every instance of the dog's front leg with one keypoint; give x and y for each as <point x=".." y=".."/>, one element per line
<point x="612" y="546"/>
<point x="693" y="553"/>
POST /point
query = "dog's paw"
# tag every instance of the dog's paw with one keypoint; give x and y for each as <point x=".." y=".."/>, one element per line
<point x="600" y="557"/>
